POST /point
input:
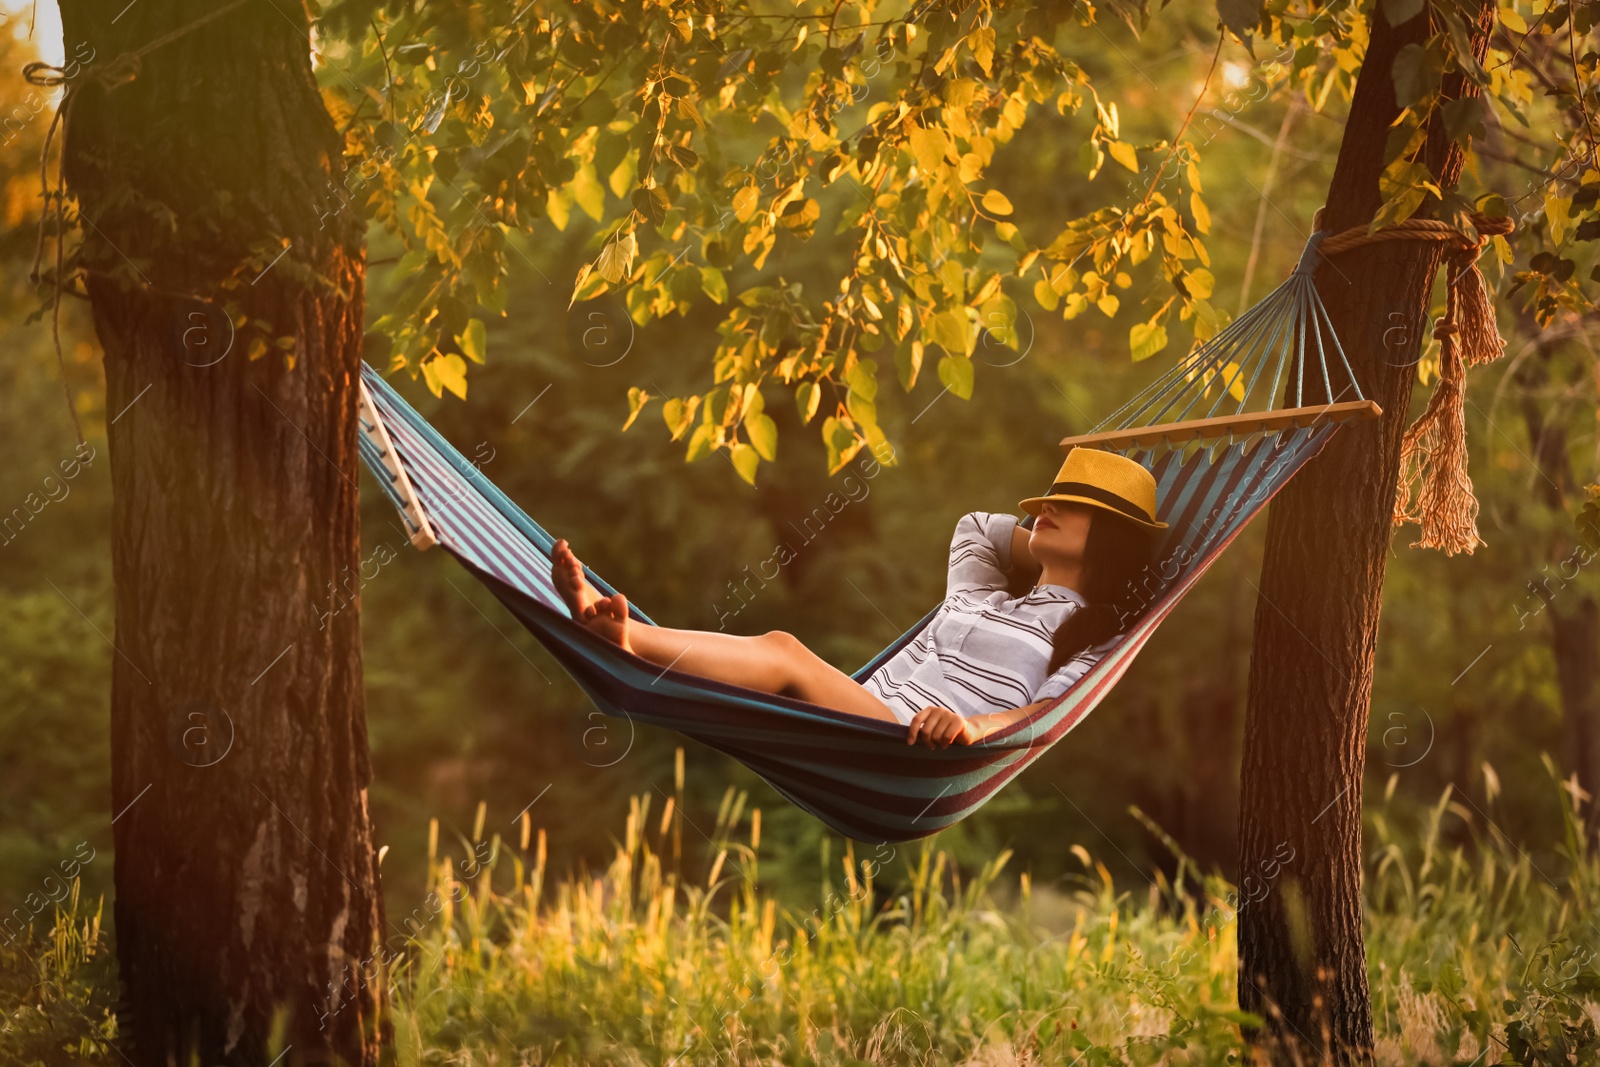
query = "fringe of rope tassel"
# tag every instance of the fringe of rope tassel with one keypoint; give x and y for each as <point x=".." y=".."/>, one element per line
<point x="1435" y="490"/>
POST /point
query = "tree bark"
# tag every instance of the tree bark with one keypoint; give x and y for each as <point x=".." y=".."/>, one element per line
<point x="1302" y="958"/>
<point x="247" y="909"/>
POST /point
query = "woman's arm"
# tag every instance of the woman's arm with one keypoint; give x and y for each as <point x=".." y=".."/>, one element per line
<point x="1022" y="561"/>
<point x="983" y="553"/>
<point x="938" y="727"/>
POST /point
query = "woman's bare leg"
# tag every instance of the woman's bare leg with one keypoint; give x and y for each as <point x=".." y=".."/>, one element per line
<point x="774" y="662"/>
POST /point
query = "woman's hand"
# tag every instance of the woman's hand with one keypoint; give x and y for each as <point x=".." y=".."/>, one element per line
<point x="938" y="727"/>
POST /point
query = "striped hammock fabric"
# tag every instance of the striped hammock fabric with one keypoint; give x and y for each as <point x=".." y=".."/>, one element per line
<point x="858" y="775"/>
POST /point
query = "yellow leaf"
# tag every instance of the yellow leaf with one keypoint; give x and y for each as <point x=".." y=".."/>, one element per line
<point x="1202" y="214"/>
<point x="745" y="461"/>
<point x="981" y="41"/>
<point x="1513" y="21"/>
<point x="1146" y="339"/>
<point x="1124" y="153"/>
<point x="1199" y="282"/>
<point x="744" y="203"/>
<point x="929" y="146"/>
<point x="616" y="258"/>
<point x="995" y="203"/>
<point x="449" y="372"/>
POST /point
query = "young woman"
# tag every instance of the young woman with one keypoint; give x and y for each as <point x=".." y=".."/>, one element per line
<point x="987" y="658"/>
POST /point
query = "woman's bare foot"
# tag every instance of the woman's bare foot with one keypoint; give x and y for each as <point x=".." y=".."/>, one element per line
<point x="566" y="573"/>
<point x="608" y="617"/>
<point x="604" y="615"/>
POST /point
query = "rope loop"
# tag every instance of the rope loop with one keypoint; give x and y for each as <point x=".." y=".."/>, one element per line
<point x="120" y="71"/>
<point x="1434" y="490"/>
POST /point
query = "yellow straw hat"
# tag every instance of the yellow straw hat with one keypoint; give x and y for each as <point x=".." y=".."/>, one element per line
<point x="1107" y="481"/>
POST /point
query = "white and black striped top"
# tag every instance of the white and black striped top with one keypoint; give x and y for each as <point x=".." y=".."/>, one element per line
<point x="984" y="650"/>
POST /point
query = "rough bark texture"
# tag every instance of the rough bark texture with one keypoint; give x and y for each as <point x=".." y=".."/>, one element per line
<point x="247" y="908"/>
<point x="1302" y="958"/>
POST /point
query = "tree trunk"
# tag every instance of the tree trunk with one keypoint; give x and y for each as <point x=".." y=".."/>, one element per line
<point x="1574" y="616"/>
<point x="1302" y="959"/>
<point x="1575" y="641"/>
<point x="247" y="910"/>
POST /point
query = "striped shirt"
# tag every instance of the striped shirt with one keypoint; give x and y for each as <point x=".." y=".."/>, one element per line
<point x="983" y="650"/>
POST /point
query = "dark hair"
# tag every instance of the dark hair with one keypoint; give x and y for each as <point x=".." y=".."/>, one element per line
<point x="1115" y="552"/>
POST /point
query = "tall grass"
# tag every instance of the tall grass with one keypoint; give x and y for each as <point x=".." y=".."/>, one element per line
<point x="1479" y="953"/>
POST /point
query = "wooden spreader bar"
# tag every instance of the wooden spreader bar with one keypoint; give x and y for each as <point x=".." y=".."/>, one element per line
<point x="1226" y="425"/>
<point x="370" y="424"/>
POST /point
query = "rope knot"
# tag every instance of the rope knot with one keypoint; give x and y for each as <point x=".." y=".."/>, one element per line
<point x="120" y="71"/>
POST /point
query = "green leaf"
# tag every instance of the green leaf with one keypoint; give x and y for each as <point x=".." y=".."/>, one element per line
<point x="949" y="330"/>
<point x="1465" y="118"/>
<point x="745" y="461"/>
<point x="999" y="317"/>
<point x="700" y="442"/>
<point x="678" y="413"/>
<point x="956" y="373"/>
<point x="862" y="410"/>
<point x="841" y="441"/>
<point x="863" y="378"/>
<point x="715" y="285"/>
<point x="995" y="203"/>
<point x="718" y="405"/>
<point x="763" y="433"/>
<point x="1146" y="339"/>
<point x="1417" y="70"/>
<point x="652" y="203"/>
<point x="807" y="398"/>
<point x="1240" y="17"/>
<point x="1090" y="157"/>
<point x="472" y="341"/>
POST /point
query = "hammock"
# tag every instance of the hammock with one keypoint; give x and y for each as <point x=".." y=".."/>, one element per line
<point x="857" y="775"/>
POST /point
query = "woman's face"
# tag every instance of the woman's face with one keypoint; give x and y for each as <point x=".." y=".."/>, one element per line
<point x="1060" y="531"/>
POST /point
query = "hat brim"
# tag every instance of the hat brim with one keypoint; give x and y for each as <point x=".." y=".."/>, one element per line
<point x="1033" y="503"/>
